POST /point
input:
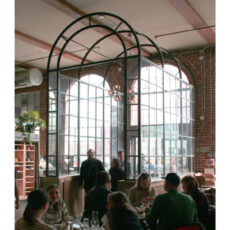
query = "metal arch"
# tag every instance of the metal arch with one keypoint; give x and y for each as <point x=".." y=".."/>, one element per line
<point x="130" y="48"/>
<point x="189" y="70"/>
<point x="155" y="45"/>
<point x="133" y="47"/>
<point x="88" y="16"/>
<point x="174" y="59"/>
<point x="98" y="41"/>
<point x="139" y="72"/>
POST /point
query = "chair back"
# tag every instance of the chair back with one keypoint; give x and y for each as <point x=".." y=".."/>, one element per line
<point x="190" y="227"/>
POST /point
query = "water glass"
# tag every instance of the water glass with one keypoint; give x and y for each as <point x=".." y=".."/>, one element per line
<point x="95" y="221"/>
<point x="86" y="223"/>
<point x="70" y="225"/>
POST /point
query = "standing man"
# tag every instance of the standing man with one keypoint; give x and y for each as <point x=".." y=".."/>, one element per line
<point x="89" y="170"/>
<point x="121" y="159"/>
<point x="172" y="209"/>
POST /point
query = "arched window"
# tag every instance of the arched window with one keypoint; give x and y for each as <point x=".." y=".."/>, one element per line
<point x="174" y="71"/>
<point x="167" y="121"/>
<point x="84" y="121"/>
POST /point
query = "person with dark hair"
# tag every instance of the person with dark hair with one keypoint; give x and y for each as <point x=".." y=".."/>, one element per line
<point x="57" y="212"/>
<point x="121" y="159"/>
<point x="172" y="209"/>
<point x="89" y="170"/>
<point x="142" y="191"/>
<point x="96" y="198"/>
<point x="116" y="174"/>
<point x="37" y="204"/>
<point x="121" y="215"/>
<point x="190" y="186"/>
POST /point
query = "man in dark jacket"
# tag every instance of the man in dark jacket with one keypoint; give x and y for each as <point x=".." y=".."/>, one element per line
<point x="89" y="170"/>
<point x="96" y="198"/>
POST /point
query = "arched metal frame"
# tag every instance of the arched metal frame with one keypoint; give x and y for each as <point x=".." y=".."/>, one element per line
<point x="125" y="57"/>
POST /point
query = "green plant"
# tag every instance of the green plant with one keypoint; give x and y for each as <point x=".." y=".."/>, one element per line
<point x="28" y="121"/>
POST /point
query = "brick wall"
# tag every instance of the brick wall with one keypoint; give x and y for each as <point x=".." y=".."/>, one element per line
<point x="204" y="75"/>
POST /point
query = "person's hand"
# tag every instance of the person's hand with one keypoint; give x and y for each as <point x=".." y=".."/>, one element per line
<point x="17" y="204"/>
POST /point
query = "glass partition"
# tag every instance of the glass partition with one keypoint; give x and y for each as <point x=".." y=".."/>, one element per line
<point x="154" y="125"/>
<point x="82" y="115"/>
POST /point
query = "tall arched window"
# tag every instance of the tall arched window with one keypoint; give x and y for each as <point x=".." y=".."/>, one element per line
<point x="167" y="121"/>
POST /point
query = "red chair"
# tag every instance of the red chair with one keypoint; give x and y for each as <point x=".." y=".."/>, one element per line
<point x="190" y="227"/>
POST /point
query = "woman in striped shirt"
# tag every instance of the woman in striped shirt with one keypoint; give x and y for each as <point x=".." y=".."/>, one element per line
<point x="35" y="209"/>
<point x="57" y="212"/>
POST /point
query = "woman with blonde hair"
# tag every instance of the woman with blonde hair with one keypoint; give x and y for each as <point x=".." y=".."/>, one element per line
<point x="190" y="186"/>
<point x="120" y="215"/>
<point x="142" y="191"/>
<point x="57" y="212"/>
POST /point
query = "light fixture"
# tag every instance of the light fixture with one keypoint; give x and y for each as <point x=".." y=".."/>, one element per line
<point x="111" y="92"/>
<point x="130" y="90"/>
<point x="101" y="16"/>
<point x="131" y="99"/>
<point x="116" y="87"/>
<point x="116" y="97"/>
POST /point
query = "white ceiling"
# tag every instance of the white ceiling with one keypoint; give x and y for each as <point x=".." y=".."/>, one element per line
<point x="39" y="20"/>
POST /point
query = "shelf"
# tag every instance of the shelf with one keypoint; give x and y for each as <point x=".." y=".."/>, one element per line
<point x="25" y="165"/>
<point x="30" y="187"/>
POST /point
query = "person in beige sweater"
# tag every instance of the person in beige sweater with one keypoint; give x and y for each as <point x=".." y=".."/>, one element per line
<point x="142" y="191"/>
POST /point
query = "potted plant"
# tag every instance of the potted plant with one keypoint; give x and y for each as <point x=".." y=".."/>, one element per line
<point x="27" y="123"/>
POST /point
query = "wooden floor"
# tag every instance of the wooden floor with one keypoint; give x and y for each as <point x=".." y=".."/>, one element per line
<point x="19" y="212"/>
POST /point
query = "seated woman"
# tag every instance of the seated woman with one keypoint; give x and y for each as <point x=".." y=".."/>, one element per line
<point x="35" y="209"/>
<point x="120" y="215"/>
<point x="116" y="174"/>
<point x="57" y="212"/>
<point x="190" y="186"/>
<point x="142" y="191"/>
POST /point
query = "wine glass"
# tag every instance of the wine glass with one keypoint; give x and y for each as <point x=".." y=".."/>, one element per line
<point x="95" y="218"/>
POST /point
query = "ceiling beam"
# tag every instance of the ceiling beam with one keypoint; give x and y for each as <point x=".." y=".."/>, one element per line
<point x="193" y="17"/>
<point x="27" y="66"/>
<point x="74" y="12"/>
<point x="44" y="45"/>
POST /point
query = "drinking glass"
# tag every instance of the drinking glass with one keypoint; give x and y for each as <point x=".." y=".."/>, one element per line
<point x="95" y="218"/>
<point x="86" y="223"/>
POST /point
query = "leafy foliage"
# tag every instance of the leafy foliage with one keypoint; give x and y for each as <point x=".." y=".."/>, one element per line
<point x="28" y="121"/>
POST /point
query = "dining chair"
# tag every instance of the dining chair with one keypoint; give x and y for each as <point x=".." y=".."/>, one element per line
<point x="196" y="226"/>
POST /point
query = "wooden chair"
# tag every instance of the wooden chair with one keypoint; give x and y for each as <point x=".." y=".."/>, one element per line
<point x="196" y="226"/>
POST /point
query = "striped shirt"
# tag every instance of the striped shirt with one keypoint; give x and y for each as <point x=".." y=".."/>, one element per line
<point x="21" y="224"/>
<point x="54" y="216"/>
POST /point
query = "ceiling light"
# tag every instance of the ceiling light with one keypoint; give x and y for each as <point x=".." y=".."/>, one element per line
<point x="130" y="90"/>
<point x="111" y="92"/>
<point x="116" y="98"/>
<point x="116" y="87"/>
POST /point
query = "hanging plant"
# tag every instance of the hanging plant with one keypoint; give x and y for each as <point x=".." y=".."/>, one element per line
<point x="27" y="123"/>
